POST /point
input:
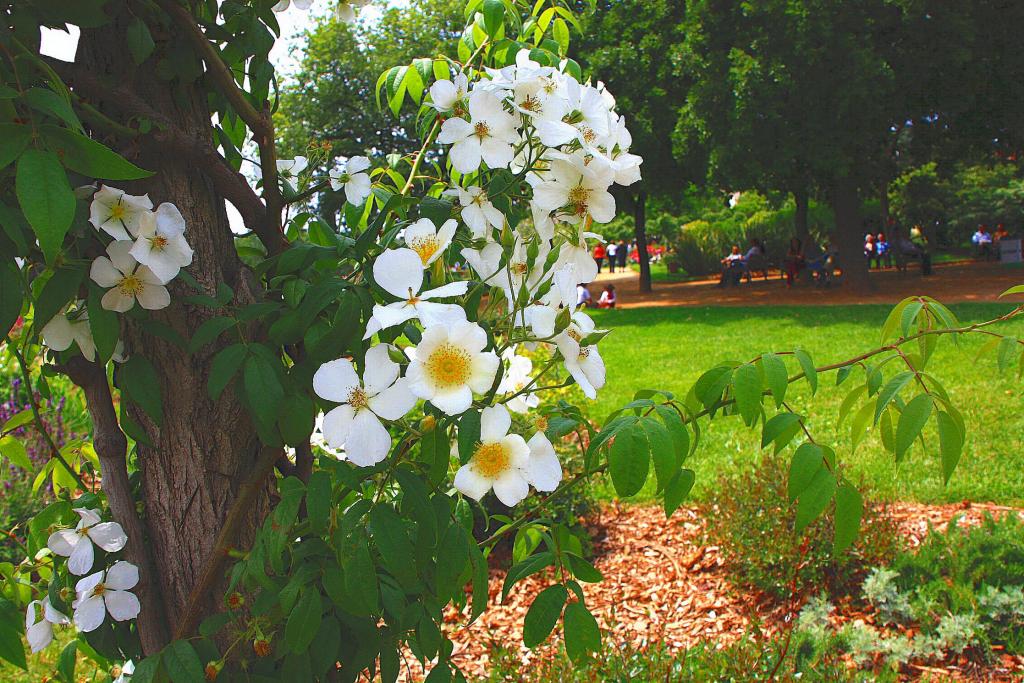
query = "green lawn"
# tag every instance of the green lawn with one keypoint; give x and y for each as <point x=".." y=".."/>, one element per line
<point x="668" y="348"/>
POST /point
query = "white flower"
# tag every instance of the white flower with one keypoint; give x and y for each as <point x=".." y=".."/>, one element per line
<point x="576" y="254"/>
<point x="428" y="241"/>
<point x="584" y="363"/>
<point x="355" y="424"/>
<point x="282" y="5"/>
<point x="127" y="281"/>
<point x="40" y="633"/>
<point x="579" y="188"/>
<point x="126" y="672"/>
<point x="117" y="213"/>
<point x="586" y="121"/>
<point x="353" y="178"/>
<point x="446" y="94"/>
<point x="161" y="244"/>
<point x="289" y="169"/>
<point x="543" y="471"/>
<point x="107" y="592"/>
<point x="345" y="9"/>
<point x="488" y="135"/>
<point x="450" y="364"/>
<point x="400" y="273"/>
<point x="478" y="213"/>
<point x="76" y="544"/>
<point x="61" y="332"/>
<point x="500" y="461"/>
<point x="515" y="379"/>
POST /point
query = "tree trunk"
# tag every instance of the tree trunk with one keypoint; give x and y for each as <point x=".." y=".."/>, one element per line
<point x="801" y="199"/>
<point x="883" y="205"/>
<point x="850" y="235"/>
<point x="640" y="230"/>
<point x="203" y="450"/>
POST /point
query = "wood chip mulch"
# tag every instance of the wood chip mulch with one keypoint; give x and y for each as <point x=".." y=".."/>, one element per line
<point x="661" y="584"/>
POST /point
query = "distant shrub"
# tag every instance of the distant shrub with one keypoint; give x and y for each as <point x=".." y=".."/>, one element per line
<point x="754" y="528"/>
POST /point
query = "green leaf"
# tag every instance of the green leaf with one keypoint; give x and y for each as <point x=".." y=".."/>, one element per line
<point x="304" y="621"/>
<point x="452" y="557"/>
<point x="893" y="319"/>
<point x="209" y="331"/>
<point x="147" y="670"/>
<point x="11" y="648"/>
<point x="908" y="317"/>
<point x="61" y="288"/>
<point x="849" y="509"/>
<point x="262" y="388"/>
<point x="629" y="460"/>
<point x="1007" y="352"/>
<point x="807" y="460"/>
<point x="182" y="662"/>
<point x="104" y="324"/>
<point x="469" y="435"/>
<point x="951" y="443"/>
<point x="297" y="419"/>
<point x="678" y="489"/>
<point x="889" y="391"/>
<point x="494" y="16"/>
<point x="582" y="634"/>
<point x="140" y="42"/>
<point x="583" y="570"/>
<point x="815" y="498"/>
<point x="11" y="296"/>
<point x="16" y="137"/>
<point x="46" y="199"/>
<point x="19" y="419"/>
<point x="680" y="434"/>
<point x="224" y="366"/>
<point x="543" y="615"/>
<point x="318" y="500"/>
<point x="775" y="376"/>
<point x="807" y="365"/>
<point x="662" y="450"/>
<point x="392" y="539"/>
<point x="14" y="450"/>
<point x="778" y="426"/>
<point x="747" y="388"/>
<point x="88" y="157"/>
<point x="911" y="422"/>
<point x="66" y="661"/>
<point x="140" y="383"/>
<point x="49" y="102"/>
<point x="1016" y="289"/>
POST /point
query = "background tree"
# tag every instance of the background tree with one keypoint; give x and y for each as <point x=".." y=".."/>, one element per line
<point x="628" y="46"/>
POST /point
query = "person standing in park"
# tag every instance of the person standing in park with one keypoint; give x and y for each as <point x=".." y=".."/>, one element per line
<point x="794" y="261"/>
<point x="599" y="254"/>
<point x="621" y="253"/>
<point x="612" y="251"/>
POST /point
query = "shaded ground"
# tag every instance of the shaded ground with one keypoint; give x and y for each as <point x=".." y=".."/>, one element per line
<point x="951" y="283"/>
<point x="661" y="584"/>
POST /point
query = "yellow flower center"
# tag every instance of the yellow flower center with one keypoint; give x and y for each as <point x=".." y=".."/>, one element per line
<point x="530" y="103"/>
<point x="448" y="366"/>
<point x="518" y="268"/>
<point x="578" y="198"/>
<point x="117" y="212"/>
<point x="490" y="459"/>
<point x="574" y="334"/>
<point x="99" y="590"/>
<point x="426" y="247"/>
<point x="131" y="285"/>
<point x="588" y="134"/>
<point x="481" y="129"/>
<point x="158" y="242"/>
<point x="357" y="399"/>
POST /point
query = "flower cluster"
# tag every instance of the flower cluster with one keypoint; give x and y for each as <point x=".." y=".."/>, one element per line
<point x="564" y="144"/>
<point x="97" y="594"/>
<point x="148" y="251"/>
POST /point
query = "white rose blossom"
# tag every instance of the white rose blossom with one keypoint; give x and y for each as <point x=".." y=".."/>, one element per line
<point x="488" y="135"/>
<point x="429" y="241"/>
<point x="290" y="169"/>
<point x="39" y="633"/>
<point x="478" y="213"/>
<point x="128" y="281"/>
<point x="446" y="94"/>
<point x="450" y="364"/>
<point x="61" y="332"/>
<point x="584" y="363"/>
<point x="161" y="243"/>
<point x="77" y="544"/>
<point x="352" y="177"/>
<point x="117" y="213"/>
<point x="515" y="380"/>
<point x="106" y="592"/>
<point x="577" y="188"/>
<point x="345" y="10"/>
<point x="399" y="272"/>
<point x="356" y="423"/>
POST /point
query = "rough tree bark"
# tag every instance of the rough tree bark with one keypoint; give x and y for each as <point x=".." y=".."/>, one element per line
<point x="850" y="234"/>
<point x="203" y="451"/>
<point x="640" y="231"/>
<point x="800" y="223"/>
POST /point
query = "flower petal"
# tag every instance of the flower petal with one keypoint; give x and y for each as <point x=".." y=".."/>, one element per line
<point x="122" y="576"/>
<point x="399" y="272"/>
<point x="154" y="297"/>
<point x="90" y="613"/>
<point x="511" y="487"/>
<point x="63" y="542"/>
<point x="395" y="402"/>
<point x="120" y="256"/>
<point x="335" y="380"/>
<point x="469" y="483"/>
<point x="494" y="423"/>
<point x="543" y="471"/>
<point x="380" y="371"/>
<point x="453" y="402"/>
<point x="103" y="272"/>
<point x="338" y="425"/>
<point x="80" y="561"/>
<point x="465" y="155"/>
<point x="368" y="442"/>
<point x="39" y="635"/>
<point x="114" y="300"/>
<point x="109" y="536"/>
<point x="122" y="605"/>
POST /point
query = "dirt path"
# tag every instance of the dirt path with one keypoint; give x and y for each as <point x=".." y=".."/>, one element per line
<point x="950" y="283"/>
<point x="660" y="584"/>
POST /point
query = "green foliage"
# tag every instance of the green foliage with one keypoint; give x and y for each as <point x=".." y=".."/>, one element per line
<point x="756" y="529"/>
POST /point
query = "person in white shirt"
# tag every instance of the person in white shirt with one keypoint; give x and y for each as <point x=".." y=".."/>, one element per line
<point x="612" y="250"/>
<point x="582" y="296"/>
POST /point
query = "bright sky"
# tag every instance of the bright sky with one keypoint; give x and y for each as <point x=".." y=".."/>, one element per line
<point x="284" y="55"/>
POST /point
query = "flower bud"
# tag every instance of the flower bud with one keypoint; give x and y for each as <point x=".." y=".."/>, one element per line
<point x="261" y="646"/>
<point x="236" y="600"/>
<point x="428" y="423"/>
<point x="212" y="669"/>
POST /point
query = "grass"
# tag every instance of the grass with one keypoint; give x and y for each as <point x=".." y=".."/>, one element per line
<point x="668" y="348"/>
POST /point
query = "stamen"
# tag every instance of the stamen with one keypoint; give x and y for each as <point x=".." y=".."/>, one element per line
<point x="449" y="366"/>
<point x="490" y="459"/>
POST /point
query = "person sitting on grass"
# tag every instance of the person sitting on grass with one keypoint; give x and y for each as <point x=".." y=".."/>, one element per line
<point x="732" y="267"/>
<point x="982" y="241"/>
<point x="607" y="299"/>
<point x="795" y="260"/>
<point x="583" y="299"/>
